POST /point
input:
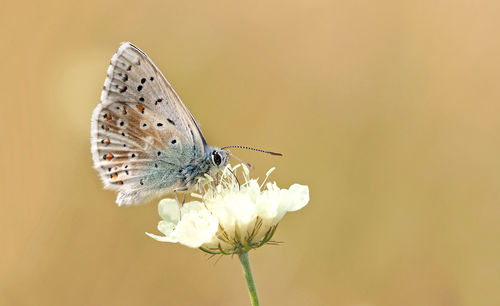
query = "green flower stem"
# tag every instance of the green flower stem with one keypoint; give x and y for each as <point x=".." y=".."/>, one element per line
<point x="252" y="290"/>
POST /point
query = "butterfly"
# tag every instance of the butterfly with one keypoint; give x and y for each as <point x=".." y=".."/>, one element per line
<point x="144" y="141"/>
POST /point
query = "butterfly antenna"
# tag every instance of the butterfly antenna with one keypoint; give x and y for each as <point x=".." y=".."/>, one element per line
<point x="253" y="149"/>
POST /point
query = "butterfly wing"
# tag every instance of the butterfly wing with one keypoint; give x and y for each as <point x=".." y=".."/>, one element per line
<point x="142" y="135"/>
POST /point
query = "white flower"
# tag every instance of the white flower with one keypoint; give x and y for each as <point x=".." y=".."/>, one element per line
<point x="230" y="218"/>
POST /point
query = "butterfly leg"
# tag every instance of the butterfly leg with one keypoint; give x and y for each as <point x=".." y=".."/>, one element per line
<point x="177" y="199"/>
<point x="199" y="186"/>
<point x="201" y="191"/>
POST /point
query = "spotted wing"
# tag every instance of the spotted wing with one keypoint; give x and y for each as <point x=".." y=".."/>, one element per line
<point x="142" y="134"/>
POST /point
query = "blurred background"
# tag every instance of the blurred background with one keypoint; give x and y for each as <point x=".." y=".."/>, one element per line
<point x="388" y="110"/>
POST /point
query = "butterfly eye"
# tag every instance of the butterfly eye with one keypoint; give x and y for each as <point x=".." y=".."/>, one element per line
<point x="216" y="159"/>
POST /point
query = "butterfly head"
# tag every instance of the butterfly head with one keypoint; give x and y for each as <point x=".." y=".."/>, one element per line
<point x="218" y="158"/>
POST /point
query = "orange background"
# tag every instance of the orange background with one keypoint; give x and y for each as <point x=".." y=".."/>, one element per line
<point x="388" y="110"/>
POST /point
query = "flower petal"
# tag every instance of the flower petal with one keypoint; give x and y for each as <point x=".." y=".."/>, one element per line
<point x="292" y="199"/>
<point x="300" y="196"/>
<point x="166" y="227"/>
<point x="197" y="226"/>
<point x="161" y="238"/>
<point x="168" y="209"/>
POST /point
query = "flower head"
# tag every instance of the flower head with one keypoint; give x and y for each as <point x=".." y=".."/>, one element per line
<point x="229" y="218"/>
